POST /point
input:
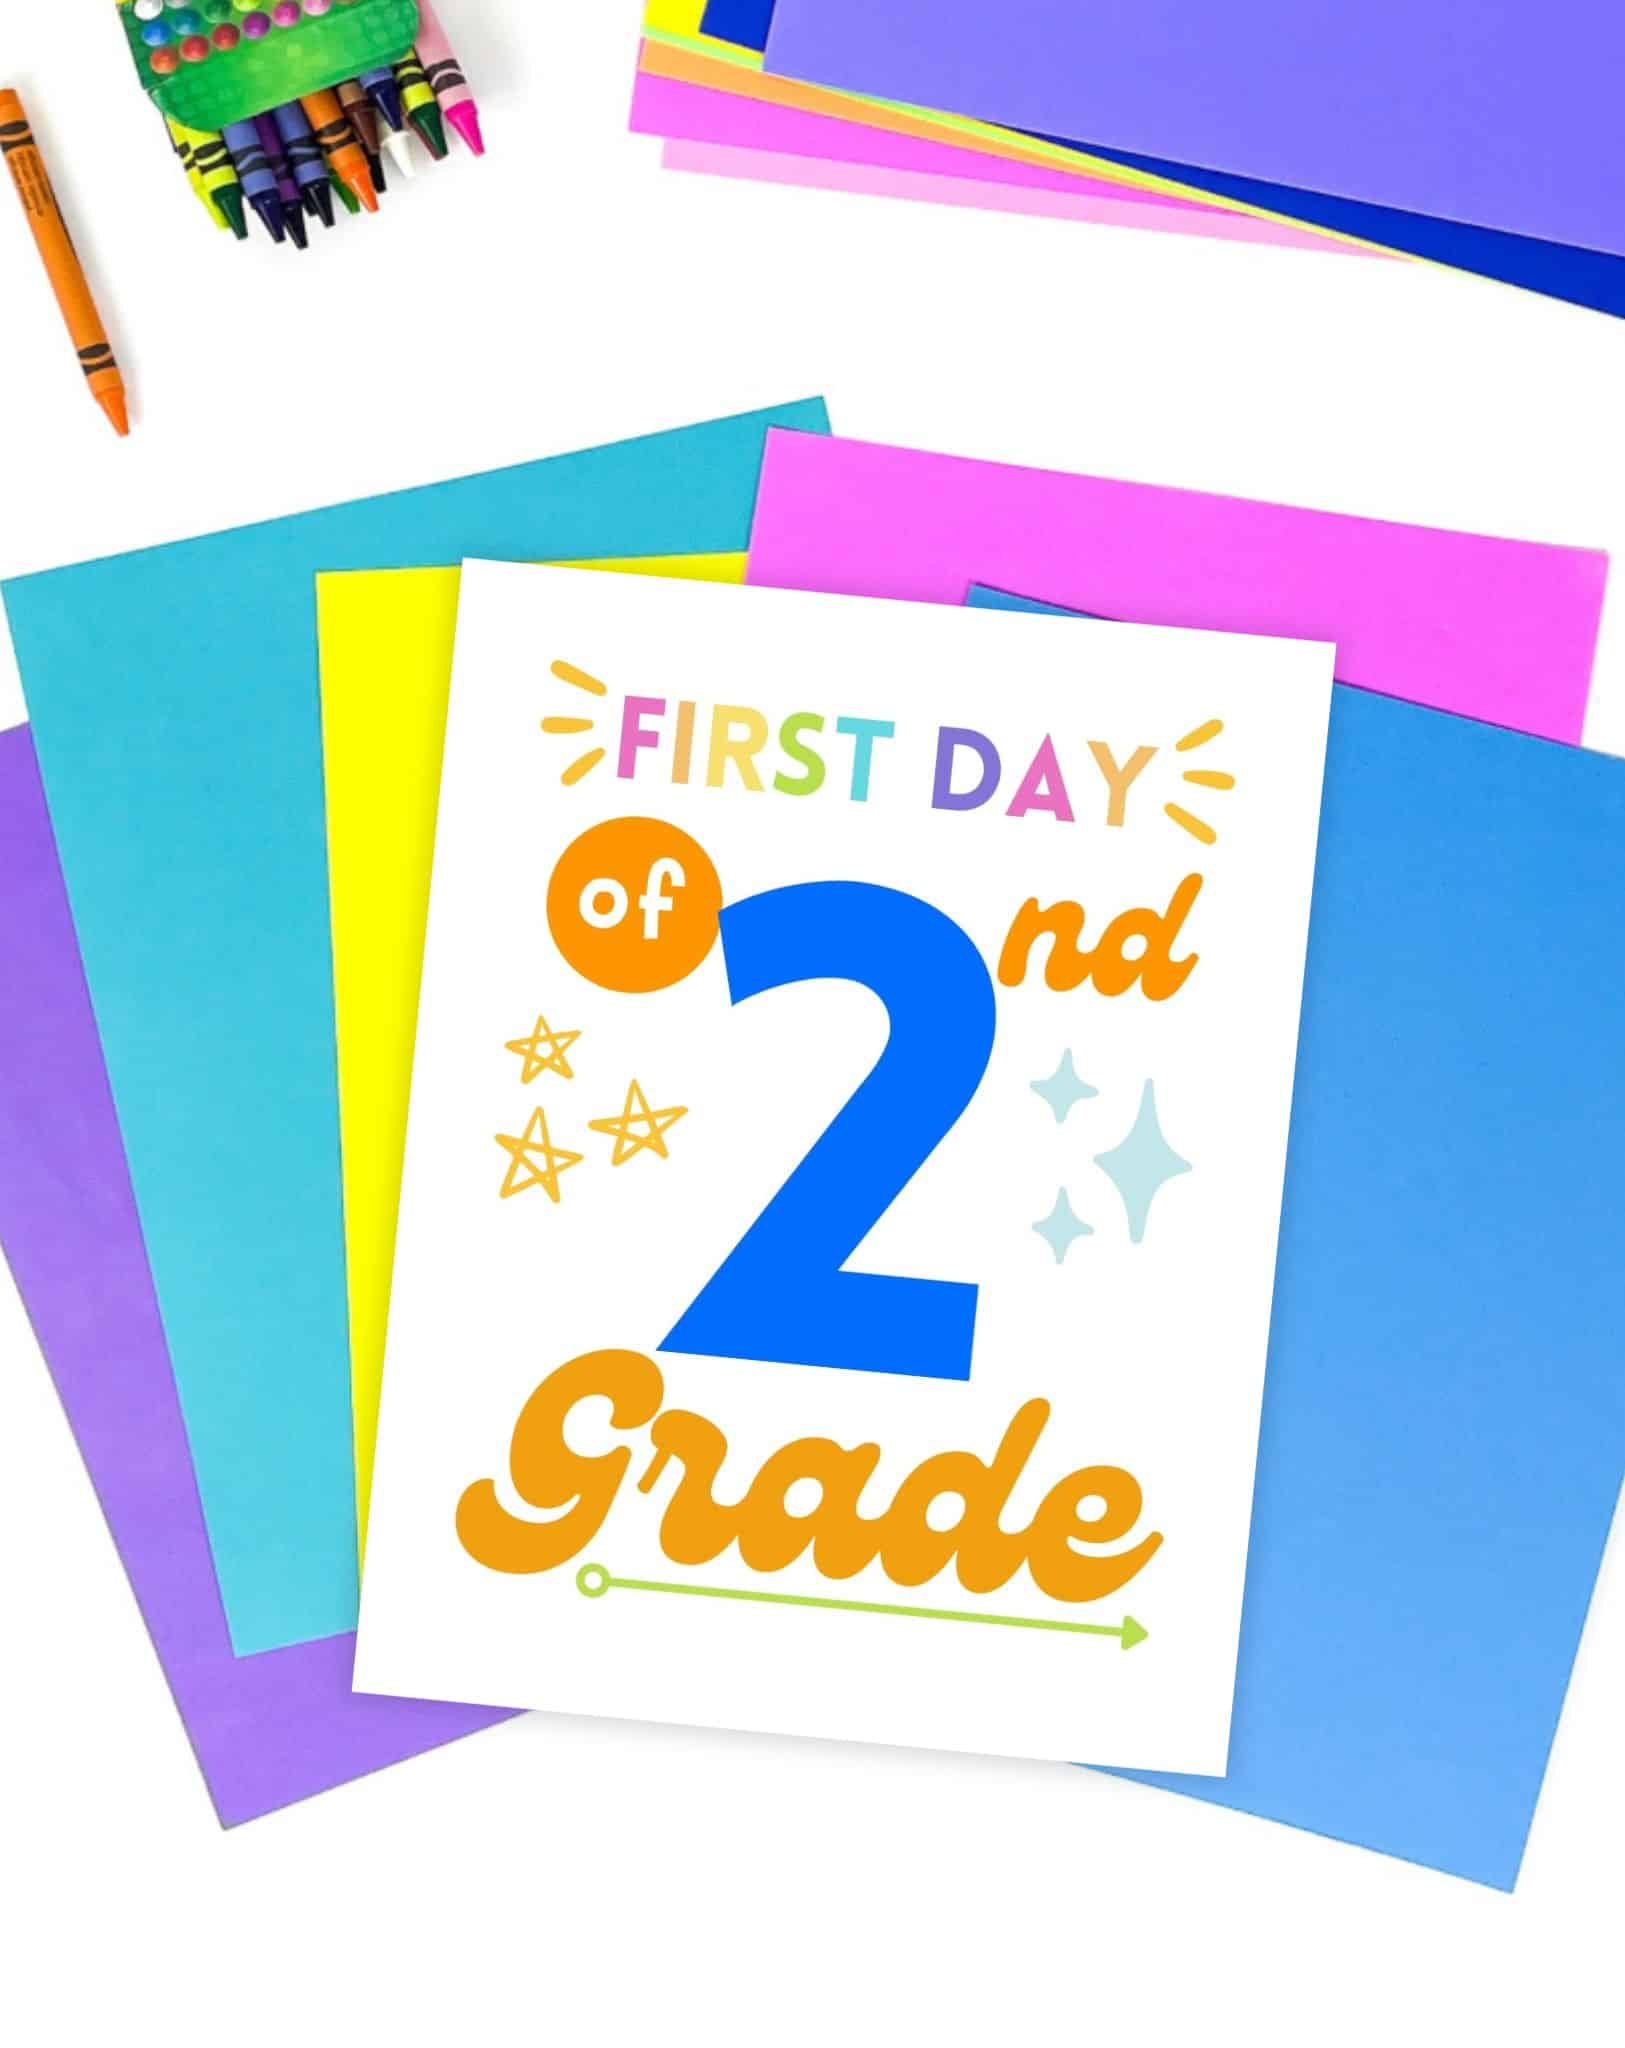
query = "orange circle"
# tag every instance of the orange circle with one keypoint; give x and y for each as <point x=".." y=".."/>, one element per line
<point x="632" y="904"/>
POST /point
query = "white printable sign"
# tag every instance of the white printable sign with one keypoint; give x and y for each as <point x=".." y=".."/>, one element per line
<point x="844" y="1169"/>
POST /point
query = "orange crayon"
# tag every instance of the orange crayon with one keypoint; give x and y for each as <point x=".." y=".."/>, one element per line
<point x="62" y="265"/>
<point x="346" y="159"/>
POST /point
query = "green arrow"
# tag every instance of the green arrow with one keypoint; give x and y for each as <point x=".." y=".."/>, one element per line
<point x="594" y="1581"/>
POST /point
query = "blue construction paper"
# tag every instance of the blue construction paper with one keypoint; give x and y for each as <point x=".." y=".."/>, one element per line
<point x="745" y="22"/>
<point x="1443" y="1434"/>
<point x="1582" y="277"/>
<point x="176" y="711"/>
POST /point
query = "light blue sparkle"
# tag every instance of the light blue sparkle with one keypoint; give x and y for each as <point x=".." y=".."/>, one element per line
<point x="1063" y="1088"/>
<point x="1060" y="1229"/>
<point x="1142" y="1165"/>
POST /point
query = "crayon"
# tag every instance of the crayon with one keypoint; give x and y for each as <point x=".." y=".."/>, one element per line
<point x="62" y="266"/>
<point x="381" y="88"/>
<point x="305" y="161"/>
<point x="422" y="108"/>
<point x="363" y="116"/>
<point x="293" y="214"/>
<point x="183" y="149"/>
<point x="346" y="159"/>
<point x="445" y="76"/>
<point x="212" y="162"/>
<point x="343" y="194"/>
<point x="253" y="167"/>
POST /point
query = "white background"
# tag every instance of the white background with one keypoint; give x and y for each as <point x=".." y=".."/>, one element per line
<point x="595" y="1882"/>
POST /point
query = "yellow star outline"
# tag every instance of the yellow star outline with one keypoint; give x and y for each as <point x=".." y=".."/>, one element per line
<point x="520" y="1151"/>
<point x="530" y="1050"/>
<point x="656" y="1123"/>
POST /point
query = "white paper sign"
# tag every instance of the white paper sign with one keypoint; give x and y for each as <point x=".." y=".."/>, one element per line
<point x="845" y="1315"/>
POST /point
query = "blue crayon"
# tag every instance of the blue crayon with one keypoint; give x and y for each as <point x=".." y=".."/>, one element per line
<point x="255" y="172"/>
<point x="305" y="161"/>
<point x="381" y="88"/>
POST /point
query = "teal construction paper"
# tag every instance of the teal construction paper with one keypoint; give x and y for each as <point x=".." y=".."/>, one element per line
<point x="1443" y="1432"/>
<point x="175" y="705"/>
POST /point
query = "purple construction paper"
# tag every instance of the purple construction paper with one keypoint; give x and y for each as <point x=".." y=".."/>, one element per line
<point x="1493" y="112"/>
<point x="269" y="1729"/>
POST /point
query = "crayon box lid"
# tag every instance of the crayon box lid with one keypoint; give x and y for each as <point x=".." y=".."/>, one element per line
<point x="208" y="63"/>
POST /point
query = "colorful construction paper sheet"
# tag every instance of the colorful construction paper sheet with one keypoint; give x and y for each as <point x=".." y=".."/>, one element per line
<point x="185" y="785"/>
<point x="836" y="1225"/>
<point x="266" y="1730"/>
<point x="674" y="49"/>
<point x="385" y="642"/>
<point x="1497" y="629"/>
<point x="787" y="146"/>
<point x="1129" y="210"/>
<point x="679" y="110"/>
<point x="1584" y="277"/>
<point x="1402" y="1688"/>
<point x="739" y="21"/>
<point x="1444" y="1419"/>
<point x="988" y="154"/>
<point x="1470" y="110"/>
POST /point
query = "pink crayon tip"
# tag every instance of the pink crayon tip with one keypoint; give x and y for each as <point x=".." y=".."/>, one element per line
<point x="466" y="120"/>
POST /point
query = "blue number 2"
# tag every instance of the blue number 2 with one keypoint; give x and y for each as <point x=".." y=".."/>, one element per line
<point x="781" y="1294"/>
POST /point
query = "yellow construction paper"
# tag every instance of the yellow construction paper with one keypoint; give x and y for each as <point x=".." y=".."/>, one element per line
<point x="386" y="644"/>
<point x="681" y="19"/>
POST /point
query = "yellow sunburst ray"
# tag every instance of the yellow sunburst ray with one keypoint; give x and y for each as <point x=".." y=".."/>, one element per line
<point x="1204" y="778"/>
<point x="557" y="726"/>
<point x="1196" y="827"/>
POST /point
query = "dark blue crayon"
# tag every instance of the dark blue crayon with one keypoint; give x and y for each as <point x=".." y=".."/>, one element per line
<point x="385" y="94"/>
<point x="305" y="161"/>
<point x="383" y="90"/>
<point x="293" y="214"/>
<point x="258" y="179"/>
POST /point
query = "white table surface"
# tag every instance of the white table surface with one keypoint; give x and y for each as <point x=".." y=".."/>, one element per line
<point x="595" y="1882"/>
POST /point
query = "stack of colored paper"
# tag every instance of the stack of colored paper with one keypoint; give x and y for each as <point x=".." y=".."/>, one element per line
<point x="1358" y="131"/>
<point x="702" y="86"/>
<point x="170" y="1198"/>
<point x="1098" y="1172"/>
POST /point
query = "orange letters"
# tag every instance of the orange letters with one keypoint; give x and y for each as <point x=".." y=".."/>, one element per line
<point x="696" y="1527"/>
<point x="1112" y="968"/>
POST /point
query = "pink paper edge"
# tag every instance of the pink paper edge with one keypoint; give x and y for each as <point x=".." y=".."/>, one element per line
<point x="822" y="174"/>
<point x="682" y="112"/>
<point x="677" y="110"/>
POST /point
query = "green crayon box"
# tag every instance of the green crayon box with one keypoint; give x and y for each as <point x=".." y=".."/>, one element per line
<point x="208" y="63"/>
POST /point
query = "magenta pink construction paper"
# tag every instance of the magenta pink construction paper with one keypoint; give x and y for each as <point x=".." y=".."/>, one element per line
<point x="1502" y="630"/>
<point x="1123" y="209"/>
